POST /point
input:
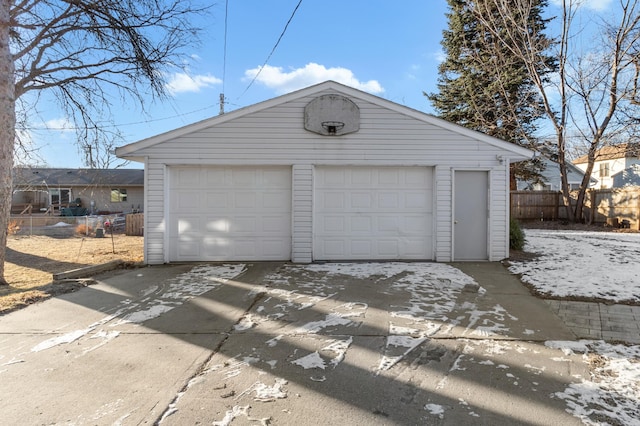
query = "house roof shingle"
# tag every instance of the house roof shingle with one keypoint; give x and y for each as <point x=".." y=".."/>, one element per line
<point x="613" y="152"/>
<point x="77" y="177"/>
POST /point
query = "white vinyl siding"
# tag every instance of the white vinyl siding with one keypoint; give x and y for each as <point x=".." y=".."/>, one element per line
<point x="302" y="214"/>
<point x="272" y="134"/>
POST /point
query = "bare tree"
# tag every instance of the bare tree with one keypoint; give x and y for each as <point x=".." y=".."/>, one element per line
<point x="7" y="127"/>
<point x="83" y="52"/>
<point x="591" y="87"/>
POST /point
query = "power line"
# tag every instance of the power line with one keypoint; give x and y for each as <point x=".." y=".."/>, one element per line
<point x="272" y="50"/>
<point x="135" y="123"/>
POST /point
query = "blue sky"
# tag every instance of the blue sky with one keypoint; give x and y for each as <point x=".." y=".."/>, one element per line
<point x="390" y="49"/>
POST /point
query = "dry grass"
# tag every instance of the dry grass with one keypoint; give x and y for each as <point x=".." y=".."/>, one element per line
<point x="31" y="261"/>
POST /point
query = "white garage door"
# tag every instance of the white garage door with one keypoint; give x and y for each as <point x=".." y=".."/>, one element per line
<point x="373" y="213"/>
<point x="229" y="213"/>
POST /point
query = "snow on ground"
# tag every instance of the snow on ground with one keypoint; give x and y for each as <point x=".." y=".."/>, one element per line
<point x="570" y="264"/>
<point x="610" y="396"/>
<point x="600" y="265"/>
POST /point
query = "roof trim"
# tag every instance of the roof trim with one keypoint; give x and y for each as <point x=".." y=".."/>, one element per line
<point x="130" y="150"/>
<point x="612" y="152"/>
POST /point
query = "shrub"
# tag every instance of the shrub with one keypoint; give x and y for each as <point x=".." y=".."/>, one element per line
<point x="14" y="227"/>
<point x="516" y="235"/>
<point x="82" y="229"/>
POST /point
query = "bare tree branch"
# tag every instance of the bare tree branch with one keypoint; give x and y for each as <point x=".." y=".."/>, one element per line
<point x="83" y="52"/>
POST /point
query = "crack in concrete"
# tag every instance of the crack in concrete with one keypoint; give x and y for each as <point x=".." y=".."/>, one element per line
<point x="201" y="370"/>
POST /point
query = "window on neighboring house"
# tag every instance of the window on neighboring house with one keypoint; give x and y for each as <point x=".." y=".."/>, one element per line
<point x="118" y="195"/>
<point x="604" y="169"/>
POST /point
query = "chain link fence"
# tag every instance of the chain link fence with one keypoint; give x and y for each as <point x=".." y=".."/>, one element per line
<point x="66" y="226"/>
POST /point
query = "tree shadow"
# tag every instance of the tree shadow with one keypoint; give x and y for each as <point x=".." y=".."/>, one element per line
<point x="397" y="395"/>
<point x="45" y="264"/>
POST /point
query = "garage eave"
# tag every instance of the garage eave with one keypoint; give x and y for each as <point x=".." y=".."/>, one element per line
<point x="511" y="151"/>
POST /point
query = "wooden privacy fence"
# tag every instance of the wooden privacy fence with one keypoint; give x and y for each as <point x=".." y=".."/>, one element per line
<point x="602" y="206"/>
<point x="134" y="224"/>
<point x="537" y="205"/>
<point x="613" y="206"/>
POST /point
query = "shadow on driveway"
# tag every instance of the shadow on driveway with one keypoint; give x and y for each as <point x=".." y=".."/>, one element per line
<point x="274" y="343"/>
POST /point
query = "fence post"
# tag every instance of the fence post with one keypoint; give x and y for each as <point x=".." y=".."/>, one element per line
<point x="637" y="212"/>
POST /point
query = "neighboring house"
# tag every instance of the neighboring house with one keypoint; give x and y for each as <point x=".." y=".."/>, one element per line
<point x="628" y="177"/>
<point x="610" y="161"/>
<point x="551" y="179"/>
<point x="77" y="191"/>
<point x="325" y="173"/>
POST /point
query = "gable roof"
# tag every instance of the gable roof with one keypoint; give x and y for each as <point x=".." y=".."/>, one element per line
<point x="571" y="168"/>
<point x="129" y="151"/>
<point x="551" y="174"/>
<point x="613" y="152"/>
<point x="36" y="176"/>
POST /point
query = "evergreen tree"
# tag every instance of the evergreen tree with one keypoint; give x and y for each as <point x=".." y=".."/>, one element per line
<point x="482" y="86"/>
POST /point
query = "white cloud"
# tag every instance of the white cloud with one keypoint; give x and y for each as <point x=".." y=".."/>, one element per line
<point x="598" y="5"/>
<point x="298" y="78"/>
<point x="181" y="82"/>
<point x="59" y="124"/>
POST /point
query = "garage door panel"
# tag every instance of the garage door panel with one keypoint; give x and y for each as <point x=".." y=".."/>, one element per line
<point x="244" y="178"/>
<point x="183" y="198"/>
<point x="187" y="179"/>
<point x="334" y="224"/>
<point x="215" y="199"/>
<point x="217" y="225"/>
<point x="413" y="177"/>
<point x="388" y="200"/>
<point x="373" y="213"/>
<point x="229" y="213"/>
<point x="413" y="247"/>
<point x="188" y="224"/>
<point x="388" y="224"/>
<point x="359" y="225"/>
<point x="214" y="177"/>
<point x="189" y="248"/>
<point x="328" y="245"/>
<point x="277" y="178"/>
<point x="275" y="200"/>
<point x="388" y="177"/>
<point x="361" y="200"/>
<point x="361" y="248"/>
<point x="361" y="178"/>
<point x="417" y="200"/>
<point x="331" y="200"/>
<point x="243" y="225"/>
<point x="214" y="247"/>
<point x="275" y="225"/>
<point x="388" y="248"/>
<point x="418" y="224"/>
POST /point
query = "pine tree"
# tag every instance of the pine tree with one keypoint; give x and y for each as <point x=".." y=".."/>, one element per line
<point x="482" y="86"/>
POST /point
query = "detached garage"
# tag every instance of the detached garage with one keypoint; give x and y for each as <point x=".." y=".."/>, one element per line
<point x="325" y="173"/>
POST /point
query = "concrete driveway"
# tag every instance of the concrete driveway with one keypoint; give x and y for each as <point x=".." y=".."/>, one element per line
<point x="282" y="344"/>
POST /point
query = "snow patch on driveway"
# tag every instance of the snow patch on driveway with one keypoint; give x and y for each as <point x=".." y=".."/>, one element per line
<point x="154" y="302"/>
